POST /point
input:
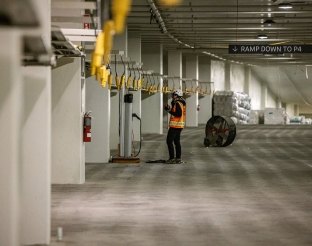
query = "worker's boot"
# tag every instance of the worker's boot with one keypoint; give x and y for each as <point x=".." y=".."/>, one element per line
<point x="171" y="161"/>
<point x="178" y="161"/>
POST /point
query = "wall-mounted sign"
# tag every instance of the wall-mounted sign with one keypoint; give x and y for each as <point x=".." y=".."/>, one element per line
<point x="269" y="49"/>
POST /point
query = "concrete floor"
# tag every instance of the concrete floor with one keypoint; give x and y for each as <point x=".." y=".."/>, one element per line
<point x="256" y="192"/>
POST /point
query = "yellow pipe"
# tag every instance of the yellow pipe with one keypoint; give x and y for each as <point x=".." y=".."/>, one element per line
<point x="170" y="2"/>
<point x="98" y="53"/>
<point x="109" y="32"/>
<point x="120" y="10"/>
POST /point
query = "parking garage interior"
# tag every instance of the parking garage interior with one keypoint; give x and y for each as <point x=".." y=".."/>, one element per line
<point x="84" y="85"/>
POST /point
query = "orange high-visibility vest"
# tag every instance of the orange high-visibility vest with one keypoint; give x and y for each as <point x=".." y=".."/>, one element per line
<point x="175" y="121"/>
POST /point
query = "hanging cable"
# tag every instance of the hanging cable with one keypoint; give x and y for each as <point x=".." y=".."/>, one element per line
<point x="136" y="116"/>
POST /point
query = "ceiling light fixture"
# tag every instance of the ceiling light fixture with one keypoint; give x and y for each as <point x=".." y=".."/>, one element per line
<point x="285" y="6"/>
<point x="269" y="22"/>
<point x="262" y="36"/>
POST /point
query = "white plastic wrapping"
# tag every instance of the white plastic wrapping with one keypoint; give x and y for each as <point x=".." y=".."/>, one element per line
<point x="232" y="104"/>
<point x="275" y="116"/>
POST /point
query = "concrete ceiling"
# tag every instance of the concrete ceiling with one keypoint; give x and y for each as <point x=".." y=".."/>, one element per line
<point x="212" y="25"/>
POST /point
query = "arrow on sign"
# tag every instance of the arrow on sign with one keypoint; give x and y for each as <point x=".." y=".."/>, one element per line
<point x="235" y="49"/>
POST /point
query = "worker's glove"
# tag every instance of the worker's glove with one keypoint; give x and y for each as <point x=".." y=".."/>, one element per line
<point x="167" y="107"/>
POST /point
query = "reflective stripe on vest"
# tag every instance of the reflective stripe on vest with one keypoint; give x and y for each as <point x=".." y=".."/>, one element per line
<point x="175" y="121"/>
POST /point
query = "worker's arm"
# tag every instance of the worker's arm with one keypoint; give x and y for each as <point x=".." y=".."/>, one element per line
<point x="178" y="110"/>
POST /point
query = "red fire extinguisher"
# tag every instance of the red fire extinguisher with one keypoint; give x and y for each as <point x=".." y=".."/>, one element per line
<point x="87" y="127"/>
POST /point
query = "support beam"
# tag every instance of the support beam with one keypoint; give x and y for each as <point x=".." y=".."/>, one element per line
<point x="247" y="79"/>
<point x="36" y="143"/>
<point x="191" y="71"/>
<point x="68" y="150"/>
<point x="10" y="132"/>
<point x="117" y="123"/>
<point x="205" y="102"/>
<point x="227" y="77"/>
<point x="134" y="52"/>
<point x="99" y="103"/>
<point x="264" y="95"/>
<point x="152" y="105"/>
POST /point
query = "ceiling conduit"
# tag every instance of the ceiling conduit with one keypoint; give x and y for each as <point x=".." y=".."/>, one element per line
<point x="164" y="30"/>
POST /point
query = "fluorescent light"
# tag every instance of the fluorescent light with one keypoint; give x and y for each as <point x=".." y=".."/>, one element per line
<point x="285" y="6"/>
<point x="269" y="22"/>
<point x="262" y="36"/>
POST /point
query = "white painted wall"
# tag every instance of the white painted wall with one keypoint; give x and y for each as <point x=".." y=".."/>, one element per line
<point x="68" y="162"/>
<point x="10" y="132"/>
<point x="237" y="78"/>
<point x="205" y="112"/>
<point x="152" y="105"/>
<point x="218" y="75"/>
<point x="98" y="102"/>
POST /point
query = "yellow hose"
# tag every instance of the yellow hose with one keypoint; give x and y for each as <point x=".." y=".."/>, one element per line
<point x="120" y="10"/>
<point x="109" y="31"/>
<point x="170" y="2"/>
<point x="98" y="53"/>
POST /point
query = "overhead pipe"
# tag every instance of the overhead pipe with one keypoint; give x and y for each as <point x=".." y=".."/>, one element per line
<point x="164" y="30"/>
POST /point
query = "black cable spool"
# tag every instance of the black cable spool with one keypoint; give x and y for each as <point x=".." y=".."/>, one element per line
<point x="220" y="131"/>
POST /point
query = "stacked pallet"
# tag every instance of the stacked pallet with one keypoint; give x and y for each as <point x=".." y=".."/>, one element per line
<point x="232" y="104"/>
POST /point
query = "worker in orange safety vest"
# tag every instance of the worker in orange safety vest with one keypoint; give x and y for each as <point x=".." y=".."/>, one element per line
<point x="177" y="112"/>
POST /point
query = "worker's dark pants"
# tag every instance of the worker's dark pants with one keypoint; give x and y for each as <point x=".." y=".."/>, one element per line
<point x="173" y="136"/>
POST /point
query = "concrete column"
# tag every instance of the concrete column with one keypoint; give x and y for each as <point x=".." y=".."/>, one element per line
<point x="296" y="109"/>
<point x="247" y="79"/>
<point x="117" y="97"/>
<point x="264" y="95"/>
<point x="175" y="67"/>
<point x="204" y="69"/>
<point x="10" y="132"/>
<point x="68" y="149"/>
<point x="134" y="52"/>
<point x="36" y="155"/>
<point x="36" y="142"/>
<point x="191" y="71"/>
<point x="98" y="102"/>
<point x="278" y="103"/>
<point x="174" y="70"/>
<point x="152" y="105"/>
<point x="227" y="77"/>
<point x="218" y="74"/>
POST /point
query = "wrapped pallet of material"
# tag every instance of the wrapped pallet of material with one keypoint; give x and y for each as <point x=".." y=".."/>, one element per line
<point x="297" y="120"/>
<point x="254" y="117"/>
<point x="308" y="121"/>
<point x="232" y="104"/>
<point x="275" y="116"/>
